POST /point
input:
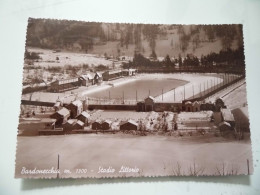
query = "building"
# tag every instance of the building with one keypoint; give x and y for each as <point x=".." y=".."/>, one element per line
<point x="61" y="116"/>
<point x="76" y="108"/>
<point x="129" y="125"/>
<point x="112" y="74"/>
<point x="188" y="106"/>
<point x="78" y="125"/>
<point x="69" y="125"/>
<point x="207" y="106"/>
<point x="149" y="103"/>
<point x="118" y="73"/>
<point x="196" y="106"/>
<point x="97" y="125"/>
<point x="86" y="80"/>
<point x="59" y="86"/>
<point x="98" y="78"/>
<point x="34" y="125"/>
<point x="106" y="125"/>
<point x="227" y="116"/>
<point x="224" y="126"/>
<point x="84" y="117"/>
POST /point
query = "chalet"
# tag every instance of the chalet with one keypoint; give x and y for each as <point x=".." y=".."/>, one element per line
<point x="84" y="117"/>
<point x="61" y="116"/>
<point x="75" y="107"/>
<point x="227" y="116"/>
<point x="97" y="125"/>
<point x="98" y="78"/>
<point x="149" y="103"/>
<point x="196" y="106"/>
<point x="63" y="85"/>
<point x="188" y="106"/>
<point x="86" y="80"/>
<point x="129" y="125"/>
<point x="69" y="125"/>
<point x="106" y="125"/>
<point x="224" y="126"/>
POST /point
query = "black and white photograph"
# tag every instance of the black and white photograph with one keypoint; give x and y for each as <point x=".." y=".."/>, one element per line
<point x="103" y="100"/>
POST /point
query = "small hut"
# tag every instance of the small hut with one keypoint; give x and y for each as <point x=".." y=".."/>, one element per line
<point x="129" y="125"/>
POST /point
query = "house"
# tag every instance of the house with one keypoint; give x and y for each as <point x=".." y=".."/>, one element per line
<point x="129" y="72"/>
<point x="106" y="125"/>
<point x="63" y="85"/>
<point x="84" y="117"/>
<point x="75" y="107"/>
<point x="129" y="125"/>
<point x="224" y="126"/>
<point x="188" y="106"/>
<point x="97" y="125"/>
<point x="78" y="125"/>
<point x="86" y="80"/>
<point x="61" y="116"/>
<point x="37" y="125"/>
<point x="196" y="106"/>
<point x="98" y="78"/>
<point x="112" y="74"/>
<point x="69" y="125"/>
<point x="227" y="116"/>
<point x="149" y="103"/>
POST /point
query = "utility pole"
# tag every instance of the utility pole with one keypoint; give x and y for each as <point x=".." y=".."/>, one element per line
<point x="58" y="166"/>
<point x="162" y="94"/>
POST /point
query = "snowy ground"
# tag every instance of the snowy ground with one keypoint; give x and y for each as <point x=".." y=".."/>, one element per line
<point x="67" y="58"/>
<point x="152" y="155"/>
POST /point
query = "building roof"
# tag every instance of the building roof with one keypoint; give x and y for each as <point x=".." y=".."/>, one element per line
<point x="107" y="121"/>
<point x="72" y="121"/>
<point x="227" y="115"/>
<point x="224" y="123"/>
<point x="87" y="76"/>
<point x="188" y="102"/>
<point x="77" y="103"/>
<point x="63" y="112"/>
<point x="129" y="121"/>
<point x="99" y="74"/>
<point x="85" y="114"/>
<point x="150" y="97"/>
<point x="80" y="123"/>
<point x="48" y="120"/>
<point x="57" y="104"/>
<point x="64" y="81"/>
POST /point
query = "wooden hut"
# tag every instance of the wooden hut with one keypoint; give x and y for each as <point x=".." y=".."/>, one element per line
<point x="106" y="125"/>
<point x="96" y="125"/>
<point x="61" y="116"/>
<point x="129" y="125"/>
<point x="84" y="117"/>
<point x="75" y="107"/>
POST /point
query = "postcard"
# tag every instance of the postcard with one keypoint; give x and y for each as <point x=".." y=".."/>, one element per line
<point x="109" y="100"/>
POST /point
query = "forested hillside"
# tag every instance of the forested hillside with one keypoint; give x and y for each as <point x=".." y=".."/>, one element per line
<point x="115" y="39"/>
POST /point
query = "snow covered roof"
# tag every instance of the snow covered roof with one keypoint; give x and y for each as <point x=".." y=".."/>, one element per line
<point x="57" y="104"/>
<point x="129" y="121"/>
<point x="151" y="97"/>
<point x="63" y="112"/>
<point x="77" y="103"/>
<point x="72" y="121"/>
<point x="48" y="120"/>
<point x="87" y="76"/>
<point x="224" y="123"/>
<point x="196" y="103"/>
<point x="99" y="74"/>
<point x="227" y="115"/>
<point x="107" y="121"/>
<point x="188" y="102"/>
<point x="80" y="123"/>
<point x="85" y="114"/>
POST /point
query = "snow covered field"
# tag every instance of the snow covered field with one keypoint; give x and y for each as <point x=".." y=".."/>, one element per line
<point x="152" y="155"/>
<point x="67" y="58"/>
